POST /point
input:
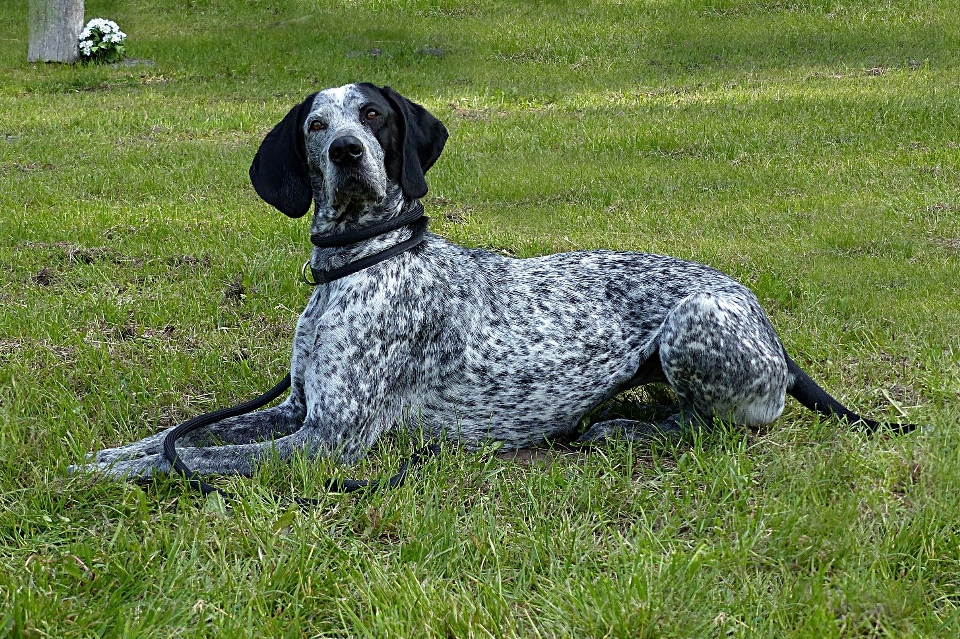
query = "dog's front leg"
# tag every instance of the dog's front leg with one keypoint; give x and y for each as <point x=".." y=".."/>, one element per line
<point x="237" y="459"/>
<point x="262" y="425"/>
<point x="358" y="382"/>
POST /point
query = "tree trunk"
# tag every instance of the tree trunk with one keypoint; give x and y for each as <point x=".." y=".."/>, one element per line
<point x="54" y="29"/>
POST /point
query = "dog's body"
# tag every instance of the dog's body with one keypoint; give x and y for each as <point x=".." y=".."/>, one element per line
<point x="467" y="344"/>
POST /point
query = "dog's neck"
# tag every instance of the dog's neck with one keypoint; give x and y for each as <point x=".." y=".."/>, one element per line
<point x="377" y="231"/>
<point x="346" y="215"/>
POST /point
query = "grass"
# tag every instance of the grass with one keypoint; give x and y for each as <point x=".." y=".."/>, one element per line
<point x="809" y="148"/>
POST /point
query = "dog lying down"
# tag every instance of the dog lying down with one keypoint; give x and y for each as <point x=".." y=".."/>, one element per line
<point x="408" y="330"/>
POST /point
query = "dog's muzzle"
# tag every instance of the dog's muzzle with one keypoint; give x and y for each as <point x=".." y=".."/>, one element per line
<point x="352" y="179"/>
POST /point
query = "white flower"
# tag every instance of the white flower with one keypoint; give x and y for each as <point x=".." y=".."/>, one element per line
<point x="102" y="39"/>
<point x="101" y="25"/>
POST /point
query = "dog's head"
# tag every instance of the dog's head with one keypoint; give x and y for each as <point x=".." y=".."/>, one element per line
<point x="346" y="149"/>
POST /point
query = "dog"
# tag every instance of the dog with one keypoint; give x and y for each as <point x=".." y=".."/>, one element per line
<point x="465" y="344"/>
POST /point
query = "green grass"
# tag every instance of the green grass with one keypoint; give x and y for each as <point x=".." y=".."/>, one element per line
<point x="812" y="149"/>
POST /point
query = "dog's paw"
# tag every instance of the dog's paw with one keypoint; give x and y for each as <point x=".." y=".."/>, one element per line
<point x="630" y="430"/>
<point x="143" y="467"/>
<point x="78" y="469"/>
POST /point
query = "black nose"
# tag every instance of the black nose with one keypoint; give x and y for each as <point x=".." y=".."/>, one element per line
<point x="345" y="150"/>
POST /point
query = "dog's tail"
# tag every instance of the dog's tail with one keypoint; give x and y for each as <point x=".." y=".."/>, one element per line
<point x="807" y="392"/>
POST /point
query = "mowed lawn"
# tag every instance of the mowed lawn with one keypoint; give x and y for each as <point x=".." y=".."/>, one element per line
<point x="809" y="148"/>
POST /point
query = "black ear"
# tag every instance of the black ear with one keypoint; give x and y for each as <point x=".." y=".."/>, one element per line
<point x="279" y="170"/>
<point x="422" y="137"/>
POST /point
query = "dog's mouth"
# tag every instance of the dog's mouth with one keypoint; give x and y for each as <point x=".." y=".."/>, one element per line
<point x="354" y="191"/>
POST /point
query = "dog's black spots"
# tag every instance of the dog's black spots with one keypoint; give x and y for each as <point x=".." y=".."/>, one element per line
<point x="473" y="345"/>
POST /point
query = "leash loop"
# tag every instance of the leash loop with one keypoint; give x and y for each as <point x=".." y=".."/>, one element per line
<point x="177" y="466"/>
<point x="170" y="441"/>
<point x="414" y="213"/>
<point x="325" y="276"/>
<point x="412" y="217"/>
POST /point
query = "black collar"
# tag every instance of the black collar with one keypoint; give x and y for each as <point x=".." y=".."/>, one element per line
<point x="412" y="217"/>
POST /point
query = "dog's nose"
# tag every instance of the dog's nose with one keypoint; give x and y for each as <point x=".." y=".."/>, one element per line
<point x="345" y="150"/>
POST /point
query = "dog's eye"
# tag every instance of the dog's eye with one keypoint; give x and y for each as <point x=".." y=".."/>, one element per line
<point x="371" y="114"/>
<point x="317" y="125"/>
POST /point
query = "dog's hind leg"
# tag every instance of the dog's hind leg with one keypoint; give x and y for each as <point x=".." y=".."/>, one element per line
<point x="613" y="428"/>
<point x="722" y="358"/>
<point x="632" y="430"/>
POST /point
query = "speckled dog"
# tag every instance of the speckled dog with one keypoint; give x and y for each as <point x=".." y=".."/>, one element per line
<point x="470" y="345"/>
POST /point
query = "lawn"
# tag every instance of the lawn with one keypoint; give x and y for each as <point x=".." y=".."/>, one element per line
<point x="809" y="148"/>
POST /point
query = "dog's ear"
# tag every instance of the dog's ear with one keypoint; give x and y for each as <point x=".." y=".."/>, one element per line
<point x="422" y="137"/>
<point x="279" y="170"/>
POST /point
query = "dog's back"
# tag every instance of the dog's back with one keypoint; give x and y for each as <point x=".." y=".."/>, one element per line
<point x="522" y="349"/>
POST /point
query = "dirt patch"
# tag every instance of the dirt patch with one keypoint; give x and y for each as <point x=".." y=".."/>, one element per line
<point x="123" y="331"/>
<point x="25" y="167"/>
<point x="165" y="417"/>
<point x="118" y="231"/>
<point x="105" y="332"/>
<point x="457" y="215"/>
<point x="46" y="277"/>
<point x="948" y="243"/>
<point x="75" y="254"/>
<point x="15" y="348"/>
<point x="189" y="261"/>
<point x="80" y="255"/>
<point x="166" y="333"/>
<point x="466" y="113"/>
<point x="9" y="348"/>
<point x="236" y="291"/>
<point x="530" y="456"/>
<point x="943" y="207"/>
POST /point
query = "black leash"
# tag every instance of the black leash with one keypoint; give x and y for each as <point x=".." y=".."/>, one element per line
<point x="414" y="216"/>
<point x="170" y="441"/>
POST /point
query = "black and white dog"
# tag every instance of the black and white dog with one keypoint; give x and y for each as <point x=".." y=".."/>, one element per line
<point x="466" y="344"/>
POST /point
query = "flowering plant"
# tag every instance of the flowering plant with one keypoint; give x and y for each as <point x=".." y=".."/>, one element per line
<point x="102" y="41"/>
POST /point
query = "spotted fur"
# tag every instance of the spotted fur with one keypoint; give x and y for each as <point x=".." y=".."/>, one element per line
<point x="469" y="345"/>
